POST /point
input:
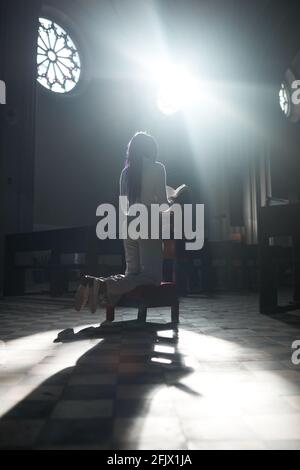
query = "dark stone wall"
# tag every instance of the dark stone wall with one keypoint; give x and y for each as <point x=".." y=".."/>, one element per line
<point x="18" y="70"/>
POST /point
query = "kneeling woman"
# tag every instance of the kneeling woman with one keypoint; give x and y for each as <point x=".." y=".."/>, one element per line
<point x="143" y="180"/>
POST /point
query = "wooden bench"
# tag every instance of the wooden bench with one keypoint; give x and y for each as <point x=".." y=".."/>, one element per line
<point x="144" y="297"/>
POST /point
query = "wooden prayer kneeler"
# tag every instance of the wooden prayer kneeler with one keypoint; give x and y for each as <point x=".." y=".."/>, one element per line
<point x="143" y="297"/>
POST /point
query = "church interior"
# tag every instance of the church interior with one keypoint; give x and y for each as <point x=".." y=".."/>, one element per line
<point x="213" y="362"/>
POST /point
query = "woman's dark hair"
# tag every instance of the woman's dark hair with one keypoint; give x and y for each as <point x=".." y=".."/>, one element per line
<point x="141" y="145"/>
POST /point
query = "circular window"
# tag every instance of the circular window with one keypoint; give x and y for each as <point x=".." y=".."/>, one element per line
<point x="284" y="99"/>
<point x="58" y="62"/>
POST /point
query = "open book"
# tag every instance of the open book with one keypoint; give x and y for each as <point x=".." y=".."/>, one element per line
<point x="174" y="193"/>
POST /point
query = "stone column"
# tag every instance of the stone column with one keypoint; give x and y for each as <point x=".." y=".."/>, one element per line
<point x="18" y="45"/>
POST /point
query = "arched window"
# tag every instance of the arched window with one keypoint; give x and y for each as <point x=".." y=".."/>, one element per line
<point x="284" y="99"/>
<point x="58" y="62"/>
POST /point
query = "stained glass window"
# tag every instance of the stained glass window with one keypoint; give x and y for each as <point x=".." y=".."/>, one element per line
<point x="284" y="99"/>
<point x="58" y="62"/>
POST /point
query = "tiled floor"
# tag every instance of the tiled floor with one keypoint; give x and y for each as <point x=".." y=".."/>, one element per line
<point x="226" y="381"/>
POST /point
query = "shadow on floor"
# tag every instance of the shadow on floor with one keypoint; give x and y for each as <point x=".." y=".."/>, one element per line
<point x="116" y="379"/>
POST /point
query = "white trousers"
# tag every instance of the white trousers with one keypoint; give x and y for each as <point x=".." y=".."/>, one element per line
<point x="143" y="267"/>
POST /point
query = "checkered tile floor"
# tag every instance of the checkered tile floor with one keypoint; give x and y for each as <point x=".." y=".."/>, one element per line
<point x="225" y="381"/>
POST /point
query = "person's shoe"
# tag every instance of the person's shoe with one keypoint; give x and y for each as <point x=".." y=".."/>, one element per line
<point x="81" y="297"/>
<point x="97" y="291"/>
<point x="93" y="298"/>
<point x="82" y="293"/>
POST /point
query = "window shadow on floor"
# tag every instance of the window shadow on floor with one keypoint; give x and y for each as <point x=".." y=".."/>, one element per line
<point x="114" y="381"/>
